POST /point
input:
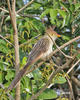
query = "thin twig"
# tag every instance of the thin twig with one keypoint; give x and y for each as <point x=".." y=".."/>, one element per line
<point x="4" y="15"/>
<point x="25" y="6"/>
<point x="6" y="40"/>
<point x="8" y="2"/>
<point x="4" y="10"/>
<point x="50" y="79"/>
<point x="73" y="67"/>
<point x="61" y="47"/>
<point x="10" y="97"/>
<point x="62" y="51"/>
<point x="52" y="55"/>
<point x="25" y="43"/>
<point x="29" y="15"/>
<point x="64" y="45"/>
<point x="71" y="90"/>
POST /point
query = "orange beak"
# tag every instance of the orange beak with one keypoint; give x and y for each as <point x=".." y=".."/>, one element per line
<point x="58" y="35"/>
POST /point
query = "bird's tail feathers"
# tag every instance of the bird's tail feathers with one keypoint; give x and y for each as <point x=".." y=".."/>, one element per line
<point x="18" y="77"/>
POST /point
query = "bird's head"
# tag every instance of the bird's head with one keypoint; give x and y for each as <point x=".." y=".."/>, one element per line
<point x="52" y="33"/>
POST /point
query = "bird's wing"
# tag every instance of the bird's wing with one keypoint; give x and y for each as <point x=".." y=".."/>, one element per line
<point x="39" y="48"/>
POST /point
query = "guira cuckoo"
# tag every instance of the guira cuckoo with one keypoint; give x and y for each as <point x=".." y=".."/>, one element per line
<point x="40" y="51"/>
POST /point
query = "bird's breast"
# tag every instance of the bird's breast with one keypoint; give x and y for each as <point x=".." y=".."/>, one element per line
<point x="47" y="53"/>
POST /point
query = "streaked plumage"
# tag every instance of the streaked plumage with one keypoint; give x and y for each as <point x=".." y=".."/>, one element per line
<point x="40" y="50"/>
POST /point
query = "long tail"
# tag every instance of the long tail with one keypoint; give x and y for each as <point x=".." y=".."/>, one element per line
<point x="18" y="77"/>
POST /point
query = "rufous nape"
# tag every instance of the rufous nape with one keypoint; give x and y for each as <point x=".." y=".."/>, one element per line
<point x="41" y="50"/>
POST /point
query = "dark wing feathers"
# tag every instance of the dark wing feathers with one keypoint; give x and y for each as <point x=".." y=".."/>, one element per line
<point x="39" y="48"/>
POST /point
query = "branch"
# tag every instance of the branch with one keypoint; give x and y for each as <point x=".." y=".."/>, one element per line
<point x="50" y="79"/>
<point x="4" y="10"/>
<point x="77" y="82"/>
<point x="8" y="2"/>
<point x="29" y="15"/>
<point x="62" y="51"/>
<point x="73" y="67"/>
<point x="11" y="14"/>
<point x="29" y="3"/>
<point x="25" y="43"/>
<point x="10" y="97"/>
<point x="6" y="40"/>
<point x="71" y="90"/>
<point x="64" y="45"/>
<point x="39" y="64"/>
<point x="16" y="47"/>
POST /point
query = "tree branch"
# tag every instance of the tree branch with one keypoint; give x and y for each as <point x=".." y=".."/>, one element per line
<point x="4" y="10"/>
<point x="64" y="45"/>
<point x="10" y="97"/>
<point x="6" y="40"/>
<point x="25" y="43"/>
<point x="50" y="79"/>
<point x="25" y="6"/>
<point x="76" y="81"/>
<point x="16" y="47"/>
<point x="61" y="47"/>
<point x="62" y="51"/>
<point x="11" y="15"/>
<point x="73" y="67"/>
<point x="71" y="90"/>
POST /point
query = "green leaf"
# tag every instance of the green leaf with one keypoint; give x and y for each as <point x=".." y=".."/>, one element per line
<point x="45" y="13"/>
<point x="24" y="60"/>
<point x="7" y="84"/>
<point x="1" y="76"/>
<point x="64" y="15"/>
<point x="36" y="5"/>
<point x="1" y="65"/>
<point x="62" y="99"/>
<point x="10" y="75"/>
<point x="77" y="6"/>
<point x="65" y="37"/>
<point x="78" y="56"/>
<point x="60" y="80"/>
<point x="72" y="8"/>
<point x="3" y="47"/>
<point x="70" y="1"/>
<point x="68" y="20"/>
<point x="26" y="83"/>
<point x="2" y="42"/>
<point x="48" y="94"/>
<point x="37" y="74"/>
<point x="53" y="14"/>
<point x="66" y="6"/>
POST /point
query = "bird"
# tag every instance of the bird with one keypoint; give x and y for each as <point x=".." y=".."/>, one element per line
<point x="40" y="50"/>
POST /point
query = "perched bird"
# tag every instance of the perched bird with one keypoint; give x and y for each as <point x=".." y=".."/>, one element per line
<point x="40" y="51"/>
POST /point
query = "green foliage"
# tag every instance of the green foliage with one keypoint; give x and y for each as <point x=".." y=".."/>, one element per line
<point x="59" y="80"/>
<point x="64" y="15"/>
<point x="48" y="94"/>
<point x="10" y="75"/>
<point x="78" y="56"/>
<point x="53" y="15"/>
<point x="3" y="46"/>
<point x="3" y="95"/>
